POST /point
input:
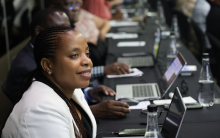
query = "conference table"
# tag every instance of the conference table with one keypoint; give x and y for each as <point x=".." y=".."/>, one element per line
<point x="198" y="123"/>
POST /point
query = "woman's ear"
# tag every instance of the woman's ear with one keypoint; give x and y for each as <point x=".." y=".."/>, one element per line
<point x="38" y="29"/>
<point x="46" y="64"/>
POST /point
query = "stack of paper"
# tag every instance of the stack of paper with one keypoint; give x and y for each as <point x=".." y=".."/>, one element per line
<point x="135" y="73"/>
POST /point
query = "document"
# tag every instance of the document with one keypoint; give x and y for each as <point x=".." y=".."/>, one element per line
<point x="135" y="73"/>
<point x="186" y="100"/>
<point x="122" y="35"/>
<point x="140" y="105"/>
<point x="131" y="44"/>
<point x="122" y="23"/>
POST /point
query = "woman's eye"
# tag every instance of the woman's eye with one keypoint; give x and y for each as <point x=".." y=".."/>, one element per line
<point x="87" y="54"/>
<point x="74" y="56"/>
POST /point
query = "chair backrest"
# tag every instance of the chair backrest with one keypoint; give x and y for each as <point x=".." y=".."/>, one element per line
<point x="184" y="27"/>
<point x="167" y="12"/>
<point x="5" y="106"/>
<point x="201" y="37"/>
<point x="216" y="49"/>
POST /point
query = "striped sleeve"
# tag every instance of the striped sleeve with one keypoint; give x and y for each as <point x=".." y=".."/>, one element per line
<point x="97" y="71"/>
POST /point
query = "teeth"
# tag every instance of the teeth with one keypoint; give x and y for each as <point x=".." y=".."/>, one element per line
<point x="86" y="73"/>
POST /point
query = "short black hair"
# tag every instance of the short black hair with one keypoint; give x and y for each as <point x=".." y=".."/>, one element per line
<point x="41" y="18"/>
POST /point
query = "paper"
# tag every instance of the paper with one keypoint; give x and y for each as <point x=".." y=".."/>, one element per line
<point x="186" y="100"/>
<point x="122" y="23"/>
<point x="140" y="105"/>
<point x="122" y="35"/>
<point x="136" y="73"/>
<point x="131" y="44"/>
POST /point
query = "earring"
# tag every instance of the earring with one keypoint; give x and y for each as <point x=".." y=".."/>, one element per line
<point x="49" y="73"/>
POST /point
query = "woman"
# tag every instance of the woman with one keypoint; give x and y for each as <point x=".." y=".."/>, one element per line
<point x="51" y="105"/>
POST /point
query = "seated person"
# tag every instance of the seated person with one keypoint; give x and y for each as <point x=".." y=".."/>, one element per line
<point x="51" y="104"/>
<point x="213" y="19"/>
<point x="98" y="53"/>
<point x="101" y="8"/>
<point x="24" y="63"/>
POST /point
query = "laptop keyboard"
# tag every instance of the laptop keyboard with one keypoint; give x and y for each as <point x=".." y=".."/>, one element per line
<point x="137" y="61"/>
<point x="140" y="61"/>
<point x="142" y="91"/>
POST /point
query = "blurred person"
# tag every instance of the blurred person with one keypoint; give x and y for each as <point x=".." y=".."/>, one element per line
<point x="20" y="6"/>
<point x="25" y="62"/>
<point x="213" y="20"/>
<point x="197" y="10"/>
<point x="101" y="8"/>
<point x="52" y="105"/>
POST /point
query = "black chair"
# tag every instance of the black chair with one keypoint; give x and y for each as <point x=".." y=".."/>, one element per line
<point x="168" y="11"/>
<point x="201" y="37"/>
<point x="216" y="49"/>
<point x="184" y="27"/>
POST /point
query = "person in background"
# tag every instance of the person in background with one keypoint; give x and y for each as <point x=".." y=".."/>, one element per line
<point x="101" y="8"/>
<point x="25" y="62"/>
<point x="51" y="104"/>
<point x="72" y="9"/>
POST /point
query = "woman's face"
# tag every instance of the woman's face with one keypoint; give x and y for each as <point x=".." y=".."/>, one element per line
<point x="71" y="67"/>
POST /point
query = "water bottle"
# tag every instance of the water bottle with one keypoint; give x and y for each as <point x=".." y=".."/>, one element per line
<point x="175" y="27"/>
<point x="206" y="83"/>
<point x="152" y="130"/>
<point x="175" y="30"/>
<point x="161" y="17"/>
<point x="171" y="51"/>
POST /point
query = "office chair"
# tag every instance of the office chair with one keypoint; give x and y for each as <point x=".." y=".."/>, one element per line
<point x="184" y="27"/>
<point x="216" y="48"/>
<point x="201" y="36"/>
<point x="168" y="12"/>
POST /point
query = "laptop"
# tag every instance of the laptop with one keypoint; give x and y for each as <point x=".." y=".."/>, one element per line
<point x="143" y="61"/>
<point x="134" y="29"/>
<point x="152" y="90"/>
<point x="175" y="115"/>
<point x="172" y="122"/>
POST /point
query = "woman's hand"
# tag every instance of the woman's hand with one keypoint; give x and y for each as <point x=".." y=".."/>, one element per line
<point x="97" y="92"/>
<point x="116" y="69"/>
<point x="110" y="109"/>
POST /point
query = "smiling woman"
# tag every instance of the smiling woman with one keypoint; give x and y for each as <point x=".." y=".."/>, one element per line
<point x="51" y="105"/>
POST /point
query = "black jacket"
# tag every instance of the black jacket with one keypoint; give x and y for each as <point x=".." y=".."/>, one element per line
<point x="21" y="66"/>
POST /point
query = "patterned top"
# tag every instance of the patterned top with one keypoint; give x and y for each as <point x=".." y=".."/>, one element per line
<point x="87" y="27"/>
<point x="100" y="8"/>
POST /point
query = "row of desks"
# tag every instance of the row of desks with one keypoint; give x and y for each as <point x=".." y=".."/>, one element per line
<point x="198" y="123"/>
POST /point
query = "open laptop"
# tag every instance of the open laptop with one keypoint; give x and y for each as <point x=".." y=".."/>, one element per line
<point x="175" y="115"/>
<point x="172" y="122"/>
<point x="140" y="29"/>
<point x="152" y="90"/>
<point x="143" y="61"/>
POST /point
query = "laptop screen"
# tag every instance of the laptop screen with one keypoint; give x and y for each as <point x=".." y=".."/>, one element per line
<point x="156" y="43"/>
<point x="171" y="74"/>
<point x="174" y="116"/>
